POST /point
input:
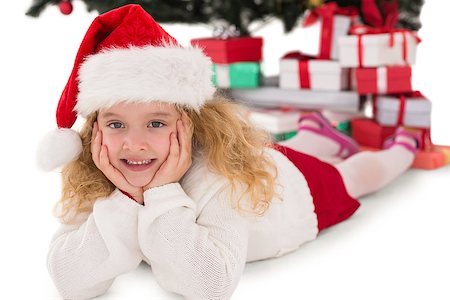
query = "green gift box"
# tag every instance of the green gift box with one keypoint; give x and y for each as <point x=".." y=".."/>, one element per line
<point x="279" y="137"/>
<point x="345" y="127"/>
<point x="237" y="75"/>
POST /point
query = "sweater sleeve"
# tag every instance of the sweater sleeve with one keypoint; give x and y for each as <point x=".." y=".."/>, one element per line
<point x="199" y="258"/>
<point x="84" y="259"/>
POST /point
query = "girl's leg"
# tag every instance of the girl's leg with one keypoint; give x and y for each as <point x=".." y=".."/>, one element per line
<point x="311" y="143"/>
<point x="367" y="172"/>
<point x="317" y="138"/>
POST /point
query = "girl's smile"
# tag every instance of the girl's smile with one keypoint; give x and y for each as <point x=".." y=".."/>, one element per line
<point x="138" y="165"/>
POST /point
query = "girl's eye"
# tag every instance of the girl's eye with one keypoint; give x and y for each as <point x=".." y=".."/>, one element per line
<point x="115" y="125"/>
<point x="155" y="124"/>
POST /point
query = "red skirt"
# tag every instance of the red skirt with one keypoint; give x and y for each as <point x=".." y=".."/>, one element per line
<point x="332" y="202"/>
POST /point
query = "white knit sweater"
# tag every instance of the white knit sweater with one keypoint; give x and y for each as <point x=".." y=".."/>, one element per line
<point x="195" y="242"/>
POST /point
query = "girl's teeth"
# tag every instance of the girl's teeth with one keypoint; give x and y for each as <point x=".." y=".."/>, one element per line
<point x="142" y="162"/>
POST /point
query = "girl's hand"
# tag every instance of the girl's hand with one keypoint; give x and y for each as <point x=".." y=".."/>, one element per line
<point x="101" y="160"/>
<point x="179" y="159"/>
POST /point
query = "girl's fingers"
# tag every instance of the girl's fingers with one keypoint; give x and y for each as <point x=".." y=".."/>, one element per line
<point x="111" y="172"/>
<point x="103" y="158"/>
<point x="185" y="137"/>
<point x="94" y="130"/>
<point x="94" y="134"/>
<point x="105" y="166"/>
<point x="174" y="145"/>
<point x="180" y="133"/>
<point x="96" y="147"/>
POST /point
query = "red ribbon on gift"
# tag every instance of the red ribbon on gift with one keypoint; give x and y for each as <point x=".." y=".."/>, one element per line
<point x="303" y="70"/>
<point x="327" y="12"/>
<point x="373" y="11"/>
<point x="303" y="67"/>
<point x="402" y="99"/>
<point x="401" y="109"/>
<point x="361" y="30"/>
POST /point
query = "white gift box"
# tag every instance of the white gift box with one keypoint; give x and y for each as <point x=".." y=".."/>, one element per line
<point x="311" y="38"/>
<point x="268" y="96"/>
<point x="377" y="49"/>
<point x="324" y="75"/>
<point x="417" y="111"/>
<point x="276" y="121"/>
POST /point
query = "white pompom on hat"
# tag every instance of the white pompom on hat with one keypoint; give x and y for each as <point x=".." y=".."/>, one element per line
<point x="124" y="56"/>
<point x="52" y="153"/>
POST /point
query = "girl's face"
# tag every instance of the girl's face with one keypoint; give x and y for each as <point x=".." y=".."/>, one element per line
<point x="137" y="136"/>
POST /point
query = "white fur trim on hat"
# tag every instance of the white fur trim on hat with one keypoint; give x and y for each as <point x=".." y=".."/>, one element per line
<point x="57" y="148"/>
<point x="167" y="73"/>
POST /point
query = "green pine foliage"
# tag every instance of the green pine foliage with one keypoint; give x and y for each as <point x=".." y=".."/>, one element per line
<point x="410" y="14"/>
<point x="240" y="13"/>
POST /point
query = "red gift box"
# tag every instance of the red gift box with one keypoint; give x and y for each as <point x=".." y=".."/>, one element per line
<point x="369" y="133"/>
<point x="438" y="156"/>
<point x="434" y="158"/>
<point x="231" y="50"/>
<point x="383" y="80"/>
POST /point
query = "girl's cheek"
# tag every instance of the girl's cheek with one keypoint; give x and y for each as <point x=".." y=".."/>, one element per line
<point x="164" y="147"/>
<point x="108" y="140"/>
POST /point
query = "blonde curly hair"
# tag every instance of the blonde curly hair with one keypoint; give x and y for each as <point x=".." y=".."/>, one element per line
<point x="222" y="134"/>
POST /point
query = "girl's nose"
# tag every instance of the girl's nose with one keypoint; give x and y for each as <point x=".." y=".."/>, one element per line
<point x="135" y="141"/>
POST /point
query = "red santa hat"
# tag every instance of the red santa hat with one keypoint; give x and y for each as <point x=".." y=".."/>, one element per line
<point x="124" y="56"/>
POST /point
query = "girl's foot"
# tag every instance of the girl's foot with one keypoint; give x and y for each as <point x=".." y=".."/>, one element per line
<point x="410" y="140"/>
<point x="317" y="123"/>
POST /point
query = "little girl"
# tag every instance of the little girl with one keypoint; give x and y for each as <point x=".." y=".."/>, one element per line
<point x="165" y="172"/>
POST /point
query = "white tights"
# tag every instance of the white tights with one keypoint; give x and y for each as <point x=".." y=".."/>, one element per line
<point x="363" y="173"/>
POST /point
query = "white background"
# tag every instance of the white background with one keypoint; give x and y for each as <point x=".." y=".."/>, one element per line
<point x="397" y="245"/>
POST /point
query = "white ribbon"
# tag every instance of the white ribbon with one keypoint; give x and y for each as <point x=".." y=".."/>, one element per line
<point x="382" y="80"/>
<point x="223" y="76"/>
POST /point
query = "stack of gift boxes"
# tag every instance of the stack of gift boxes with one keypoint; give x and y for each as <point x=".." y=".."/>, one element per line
<point x="381" y="62"/>
<point x="237" y="65"/>
<point x="337" y="54"/>
<point x="315" y="66"/>
<point x="236" y="61"/>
